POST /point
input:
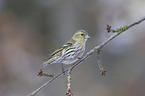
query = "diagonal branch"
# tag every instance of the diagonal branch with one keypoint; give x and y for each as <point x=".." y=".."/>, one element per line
<point x="88" y="54"/>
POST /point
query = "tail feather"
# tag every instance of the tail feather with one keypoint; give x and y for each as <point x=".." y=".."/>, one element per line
<point x="47" y="58"/>
<point x="45" y="64"/>
<point x="50" y="61"/>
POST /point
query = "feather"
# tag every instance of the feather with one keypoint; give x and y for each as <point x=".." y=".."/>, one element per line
<point x="68" y="44"/>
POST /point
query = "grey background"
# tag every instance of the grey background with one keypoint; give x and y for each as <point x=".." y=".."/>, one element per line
<point x="31" y="29"/>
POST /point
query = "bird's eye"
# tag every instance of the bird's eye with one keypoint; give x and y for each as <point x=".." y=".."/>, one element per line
<point x="82" y="34"/>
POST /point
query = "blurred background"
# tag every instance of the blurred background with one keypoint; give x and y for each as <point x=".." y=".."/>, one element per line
<point x="31" y="29"/>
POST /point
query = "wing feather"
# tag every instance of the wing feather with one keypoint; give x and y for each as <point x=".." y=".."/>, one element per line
<point x="68" y="44"/>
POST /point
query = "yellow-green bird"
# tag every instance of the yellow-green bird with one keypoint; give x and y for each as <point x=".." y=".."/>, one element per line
<point x="70" y="52"/>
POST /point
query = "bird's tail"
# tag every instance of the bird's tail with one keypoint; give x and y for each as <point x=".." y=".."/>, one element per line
<point x="50" y="61"/>
<point x="45" y="64"/>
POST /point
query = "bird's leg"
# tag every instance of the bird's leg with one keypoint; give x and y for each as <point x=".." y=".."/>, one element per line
<point x="62" y="69"/>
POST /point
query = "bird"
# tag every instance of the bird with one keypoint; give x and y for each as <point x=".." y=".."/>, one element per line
<point x="69" y="53"/>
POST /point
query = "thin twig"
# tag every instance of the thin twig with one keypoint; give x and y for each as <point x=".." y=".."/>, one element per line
<point x="103" y="72"/>
<point x="137" y="22"/>
<point x="69" y="93"/>
<point x="88" y="54"/>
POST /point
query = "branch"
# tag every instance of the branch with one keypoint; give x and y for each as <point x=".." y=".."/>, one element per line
<point x="68" y="93"/>
<point x="117" y="32"/>
<point x="103" y="72"/>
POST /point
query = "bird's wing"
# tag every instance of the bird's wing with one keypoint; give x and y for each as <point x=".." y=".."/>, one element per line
<point x="68" y="44"/>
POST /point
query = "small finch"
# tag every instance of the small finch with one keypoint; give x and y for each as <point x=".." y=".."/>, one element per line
<point x="70" y="52"/>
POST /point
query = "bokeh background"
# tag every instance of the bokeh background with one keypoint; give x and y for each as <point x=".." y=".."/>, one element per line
<point x="31" y="29"/>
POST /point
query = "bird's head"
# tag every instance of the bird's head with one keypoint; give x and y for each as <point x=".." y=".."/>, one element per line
<point x="81" y="36"/>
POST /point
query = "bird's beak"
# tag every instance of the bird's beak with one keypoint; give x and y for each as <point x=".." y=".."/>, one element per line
<point x="87" y="36"/>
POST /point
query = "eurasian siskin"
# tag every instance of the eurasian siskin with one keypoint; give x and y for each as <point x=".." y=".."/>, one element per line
<point x="69" y="52"/>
